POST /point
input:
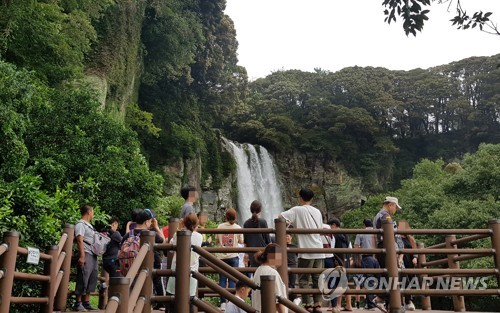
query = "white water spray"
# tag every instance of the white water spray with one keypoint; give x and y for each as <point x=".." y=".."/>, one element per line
<point x="257" y="180"/>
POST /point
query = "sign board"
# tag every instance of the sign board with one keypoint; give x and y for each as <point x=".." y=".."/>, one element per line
<point x="33" y="255"/>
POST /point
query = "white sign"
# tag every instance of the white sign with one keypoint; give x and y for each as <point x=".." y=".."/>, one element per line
<point x="33" y="255"/>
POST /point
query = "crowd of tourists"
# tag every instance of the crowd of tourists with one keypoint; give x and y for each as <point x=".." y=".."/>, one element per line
<point x="119" y="252"/>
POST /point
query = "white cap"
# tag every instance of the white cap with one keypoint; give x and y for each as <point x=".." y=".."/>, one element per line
<point x="393" y="200"/>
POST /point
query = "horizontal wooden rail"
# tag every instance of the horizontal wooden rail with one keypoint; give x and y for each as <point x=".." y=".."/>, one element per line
<point x="468" y="239"/>
<point x="361" y="251"/>
<point x="301" y="270"/>
<point x="332" y="231"/>
<point x="451" y="292"/>
<point x="465" y="257"/>
<point x="29" y="300"/>
<point x="450" y="271"/>
<point x="446" y="251"/>
<point x="163" y="273"/>
<point x="235" y="230"/>
<point x="349" y="291"/>
<point x="43" y="256"/>
<point x="438" y="246"/>
<point x="208" y="269"/>
<point x="232" y="249"/>
<point x="443" y="231"/>
<point x="31" y="277"/>
<point x="165" y="247"/>
<point x="434" y="263"/>
<point x="162" y="299"/>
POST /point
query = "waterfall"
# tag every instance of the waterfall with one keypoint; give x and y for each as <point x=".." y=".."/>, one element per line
<point x="256" y="180"/>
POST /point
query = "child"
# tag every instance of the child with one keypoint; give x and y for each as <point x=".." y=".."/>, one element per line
<point x="242" y="291"/>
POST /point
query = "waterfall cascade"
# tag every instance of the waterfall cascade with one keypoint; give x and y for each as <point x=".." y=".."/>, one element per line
<point x="256" y="180"/>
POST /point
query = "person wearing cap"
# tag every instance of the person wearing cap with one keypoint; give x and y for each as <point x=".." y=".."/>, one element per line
<point x="146" y="221"/>
<point x="389" y="208"/>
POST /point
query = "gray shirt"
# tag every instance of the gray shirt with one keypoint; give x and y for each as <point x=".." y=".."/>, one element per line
<point x="365" y="241"/>
<point x="85" y="229"/>
<point x="186" y="209"/>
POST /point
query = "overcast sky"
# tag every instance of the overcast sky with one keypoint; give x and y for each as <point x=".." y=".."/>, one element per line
<point x="334" y="34"/>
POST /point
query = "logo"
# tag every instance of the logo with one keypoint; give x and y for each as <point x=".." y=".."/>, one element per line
<point x="333" y="283"/>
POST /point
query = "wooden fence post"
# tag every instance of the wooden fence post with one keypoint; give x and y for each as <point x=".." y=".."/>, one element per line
<point x="61" y="296"/>
<point x="280" y="226"/>
<point x="119" y="288"/>
<point x="495" y="244"/>
<point x="51" y="271"/>
<point x="183" y="271"/>
<point x="8" y="266"/>
<point x="392" y="266"/>
<point x="147" y="288"/>
<point x="426" y="300"/>
<point x="458" y="301"/>
<point x="173" y="225"/>
<point x="268" y="294"/>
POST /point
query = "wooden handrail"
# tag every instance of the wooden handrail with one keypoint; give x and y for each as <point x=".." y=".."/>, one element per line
<point x="3" y="248"/>
<point x="132" y="272"/>
<point x="62" y="242"/>
<point x="139" y="282"/>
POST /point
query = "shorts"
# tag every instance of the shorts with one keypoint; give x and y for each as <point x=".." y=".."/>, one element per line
<point x="86" y="277"/>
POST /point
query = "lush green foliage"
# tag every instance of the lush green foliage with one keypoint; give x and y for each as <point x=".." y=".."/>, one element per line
<point x="55" y="139"/>
<point x="414" y="14"/>
<point x="461" y="195"/>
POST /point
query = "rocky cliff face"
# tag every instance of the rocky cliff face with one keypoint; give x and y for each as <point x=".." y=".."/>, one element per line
<point x="335" y="190"/>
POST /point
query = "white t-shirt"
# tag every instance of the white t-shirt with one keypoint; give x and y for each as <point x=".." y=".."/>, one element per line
<point x="280" y="288"/>
<point x="306" y="217"/>
<point x="196" y="240"/>
<point x="328" y="239"/>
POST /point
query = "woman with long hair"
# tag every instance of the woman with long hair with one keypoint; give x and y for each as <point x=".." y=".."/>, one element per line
<point x="258" y="239"/>
<point x="191" y="224"/>
<point x="269" y="258"/>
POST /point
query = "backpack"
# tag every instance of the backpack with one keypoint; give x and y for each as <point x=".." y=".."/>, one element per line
<point x="128" y="252"/>
<point x="100" y="243"/>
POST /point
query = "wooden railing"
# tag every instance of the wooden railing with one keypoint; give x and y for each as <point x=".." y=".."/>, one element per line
<point x="133" y="293"/>
<point x="54" y="280"/>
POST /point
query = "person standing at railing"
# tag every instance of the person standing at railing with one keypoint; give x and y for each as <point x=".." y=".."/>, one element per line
<point x="306" y="216"/>
<point x="230" y="258"/>
<point x="256" y="240"/>
<point x="110" y="257"/>
<point x="341" y="241"/>
<point x="190" y="223"/>
<point x="190" y="196"/>
<point x="367" y="241"/>
<point x="407" y="261"/>
<point x="269" y="258"/>
<point x="389" y="208"/>
<point x="86" y="272"/>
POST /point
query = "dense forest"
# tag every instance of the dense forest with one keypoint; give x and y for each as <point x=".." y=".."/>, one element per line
<point x="99" y="98"/>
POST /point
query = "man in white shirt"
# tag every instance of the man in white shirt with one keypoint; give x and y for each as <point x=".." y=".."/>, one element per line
<point x="307" y="216"/>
